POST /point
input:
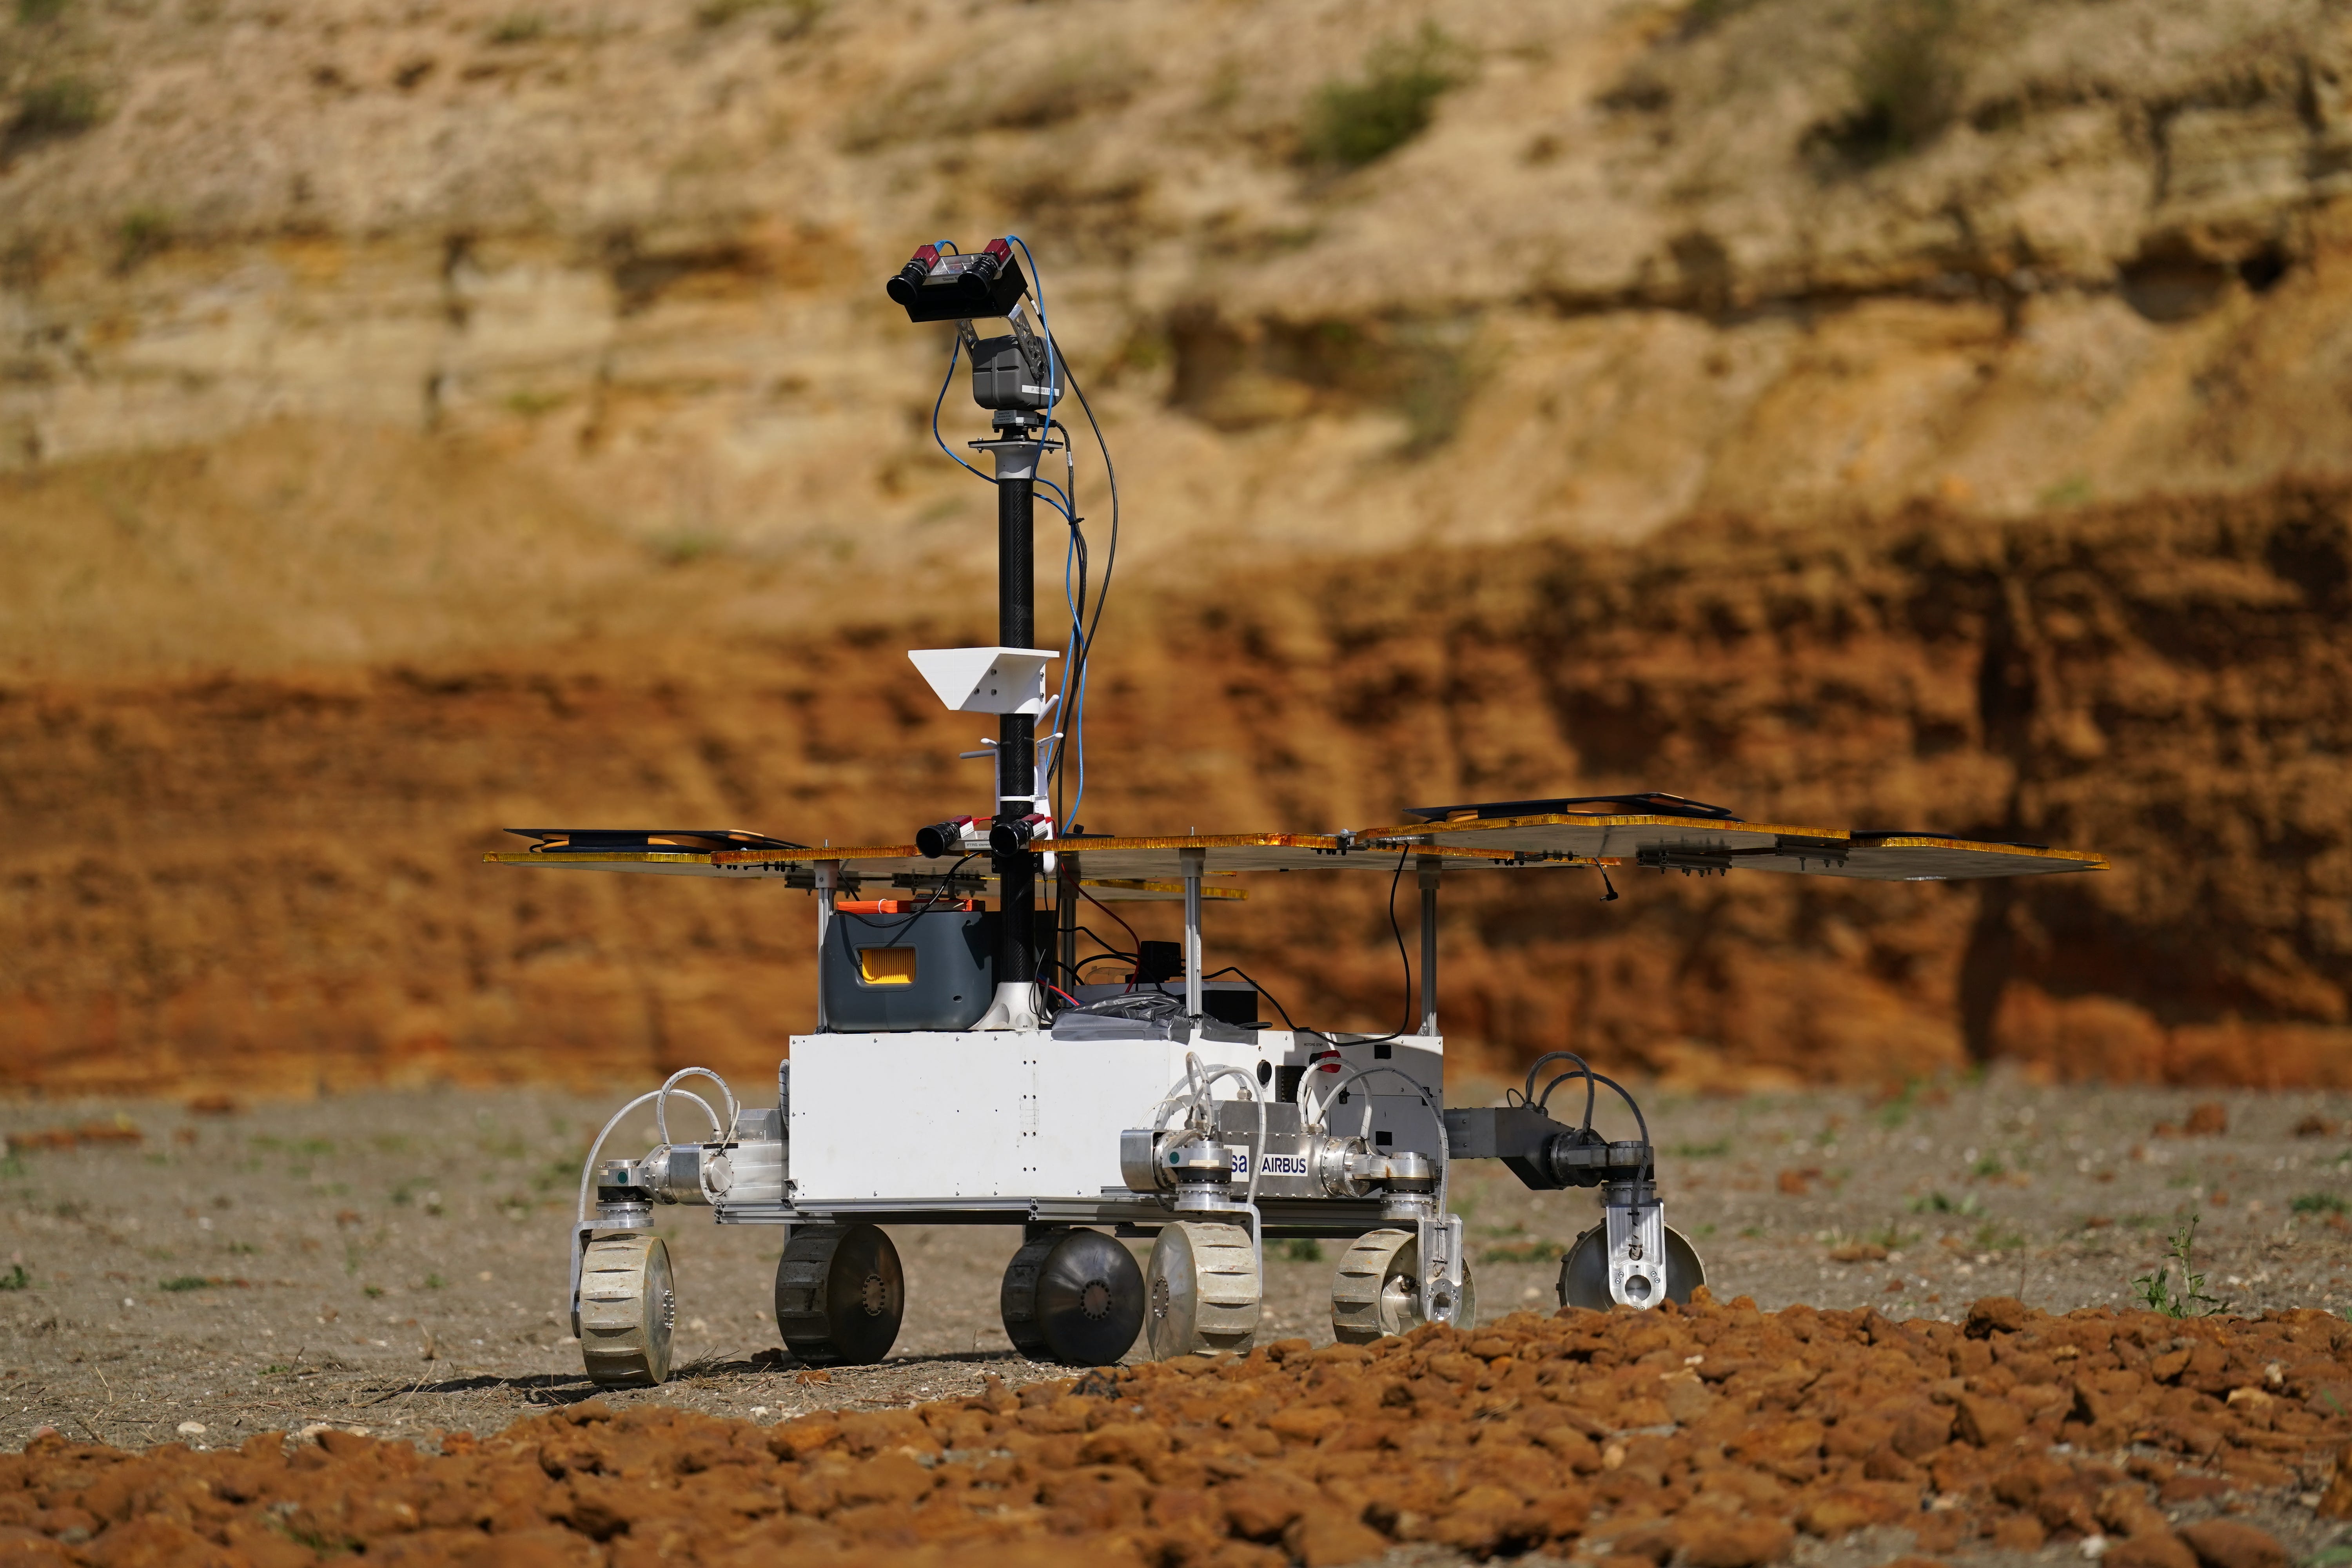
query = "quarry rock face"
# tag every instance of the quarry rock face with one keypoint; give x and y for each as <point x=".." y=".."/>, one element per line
<point x="421" y="423"/>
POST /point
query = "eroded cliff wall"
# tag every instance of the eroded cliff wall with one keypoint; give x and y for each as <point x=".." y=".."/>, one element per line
<point x="1925" y="414"/>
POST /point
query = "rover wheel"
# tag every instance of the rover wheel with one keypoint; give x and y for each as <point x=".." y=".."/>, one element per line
<point x="839" y="1294"/>
<point x="627" y="1303"/>
<point x="1584" y="1272"/>
<point x="1075" y="1297"/>
<point x="1202" y="1290"/>
<point x="1377" y="1290"/>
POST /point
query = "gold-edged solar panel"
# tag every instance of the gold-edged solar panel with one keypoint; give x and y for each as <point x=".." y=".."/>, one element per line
<point x="1603" y="836"/>
<point x="1245" y="852"/>
<point x="866" y="865"/>
<point x="658" y="862"/>
<point x="1922" y="859"/>
<point x="1152" y="869"/>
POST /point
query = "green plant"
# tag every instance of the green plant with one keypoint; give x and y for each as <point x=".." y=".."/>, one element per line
<point x="435" y="1282"/>
<point x="2072" y="490"/>
<point x="1991" y="1237"/>
<point x="16" y="1278"/>
<point x="2188" y="1297"/>
<point x="11" y="1167"/>
<point x="1302" y="1249"/>
<point x="1752" y="1232"/>
<point x="798" y="16"/>
<point x="1905" y="81"/>
<point x="373" y="1292"/>
<point x="144" y="232"/>
<point x="1893" y="1237"/>
<point x="1937" y="1203"/>
<point x="187" y="1282"/>
<point x="243" y="1249"/>
<point x="523" y="27"/>
<point x="1701" y="1150"/>
<point x="685" y="548"/>
<point x="2321" y="1203"/>
<point x="62" y="106"/>
<point x="1989" y="1166"/>
<point x="1352" y="123"/>
<point x="39" y="13"/>
<point x="1899" y="1107"/>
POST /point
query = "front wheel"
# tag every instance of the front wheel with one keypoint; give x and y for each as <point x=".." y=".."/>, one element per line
<point x="1376" y="1291"/>
<point x="1584" y="1272"/>
<point x="840" y="1294"/>
<point x="628" y="1302"/>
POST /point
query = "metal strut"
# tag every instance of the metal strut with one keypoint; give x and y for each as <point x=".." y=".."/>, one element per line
<point x="1015" y="449"/>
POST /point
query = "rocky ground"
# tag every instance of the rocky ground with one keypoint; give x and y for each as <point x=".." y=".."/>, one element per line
<point x="395" y="1262"/>
<point x="1723" y="1438"/>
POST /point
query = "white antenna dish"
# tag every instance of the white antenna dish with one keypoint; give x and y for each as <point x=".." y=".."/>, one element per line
<point x="986" y="679"/>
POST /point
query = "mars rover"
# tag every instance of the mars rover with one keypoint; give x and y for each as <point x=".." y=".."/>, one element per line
<point x="1156" y="1103"/>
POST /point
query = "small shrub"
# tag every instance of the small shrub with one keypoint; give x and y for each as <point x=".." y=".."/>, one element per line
<point x="40" y="13"/>
<point x="61" y="106"/>
<point x="1352" y="123"/>
<point x="2321" y="1203"/>
<point x="373" y="1292"/>
<point x="523" y="27"/>
<point x="1905" y="82"/>
<point x="1721" y="1146"/>
<point x="187" y="1282"/>
<point x="435" y="1282"/>
<point x="16" y="1278"/>
<point x="144" y="232"/>
<point x="2187" y="1297"/>
<point x="796" y="17"/>
<point x="1302" y="1249"/>
<point x="1993" y="1238"/>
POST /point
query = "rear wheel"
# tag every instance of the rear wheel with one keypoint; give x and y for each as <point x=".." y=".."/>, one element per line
<point x="1377" y="1289"/>
<point x="627" y="1303"/>
<point x="1075" y="1297"/>
<point x="1202" y="1290"/>
<point x="840" y="1294"/>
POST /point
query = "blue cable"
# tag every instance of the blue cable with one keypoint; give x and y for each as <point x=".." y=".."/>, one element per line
<point x="954" y="351"/>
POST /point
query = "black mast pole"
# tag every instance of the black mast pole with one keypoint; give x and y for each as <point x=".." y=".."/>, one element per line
<point x="1017" y="750"/>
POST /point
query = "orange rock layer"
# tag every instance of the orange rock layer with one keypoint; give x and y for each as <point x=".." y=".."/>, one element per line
<point x="259" y="884"/>
<point x="1717" y="1434"/>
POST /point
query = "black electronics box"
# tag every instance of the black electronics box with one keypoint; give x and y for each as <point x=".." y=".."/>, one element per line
<point x="894" y="972"/>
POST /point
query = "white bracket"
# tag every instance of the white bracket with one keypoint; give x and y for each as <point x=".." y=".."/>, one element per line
<point x="986" y="679"/>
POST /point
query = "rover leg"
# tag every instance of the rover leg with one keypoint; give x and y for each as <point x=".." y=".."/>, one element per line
<point x="1377" y="1290"/>
<point x="1584" y="1272"/>
<point x="1075" y="1297"/>
<point x="839" y="1294"/>
<point x="627" y="1303"/>
<point x="1203" y="1290"/>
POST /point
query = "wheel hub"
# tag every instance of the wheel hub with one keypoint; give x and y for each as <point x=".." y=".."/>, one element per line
<point x="1160" y="1297"/>
<point x="1094" y="1300"/>
<point x="874" y="1295"/>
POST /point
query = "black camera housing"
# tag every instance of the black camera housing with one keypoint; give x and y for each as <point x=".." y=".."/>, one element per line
<point x="962" y="289"/>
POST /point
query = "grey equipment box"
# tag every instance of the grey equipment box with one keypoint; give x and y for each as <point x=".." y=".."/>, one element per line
<point x="931" y="970"/>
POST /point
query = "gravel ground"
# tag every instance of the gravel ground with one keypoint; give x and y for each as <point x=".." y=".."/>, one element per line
<point x="395" y="1262"/>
